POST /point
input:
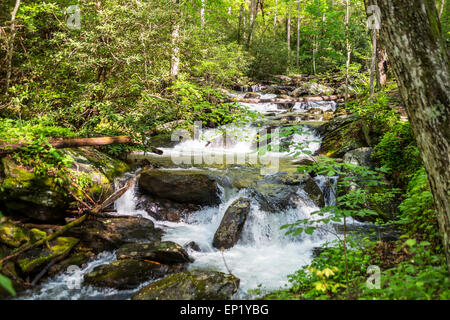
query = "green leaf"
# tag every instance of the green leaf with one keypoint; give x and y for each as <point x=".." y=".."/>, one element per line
<point x="6" y="283"/>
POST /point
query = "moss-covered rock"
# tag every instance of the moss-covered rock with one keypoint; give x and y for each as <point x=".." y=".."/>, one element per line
<point x="13" y="235"/>
<point x="34" y="258"/>
<point x="42" y="198"/>
<point x="125" y="273"/>
<point x="182" y="186"/>
<point x="341" y="135"/>
<point x="166" y="252"/>
<point x="79" y="259"/>
<point x="191" y="285"/>
<point x="9" y="270"/>
<point x="232" y="223"/>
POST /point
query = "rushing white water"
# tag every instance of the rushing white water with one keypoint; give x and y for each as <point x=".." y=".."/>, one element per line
<point x="264" y="256"/>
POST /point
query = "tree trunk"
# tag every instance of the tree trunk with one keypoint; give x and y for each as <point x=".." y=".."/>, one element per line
<point x="347" y="44"/>
<point x="11" y="45"/>
<point x="441" y="9"/>
<point x="419" y="58"/>
<point x="288" y="34"/>
<point x="381" y="65"/>
<point x="202" y="14"/>
<point x="297" y="62"/>
<point x="241" y="15"/>
<point x="373" y="62"/>
<point x="253" y="13"/>
<point x="275" y="19"/>
<point x="175" y="36"/>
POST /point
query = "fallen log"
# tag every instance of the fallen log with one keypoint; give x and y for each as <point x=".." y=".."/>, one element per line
<point x="276" y="100"/>
<point x="6" y="148"/>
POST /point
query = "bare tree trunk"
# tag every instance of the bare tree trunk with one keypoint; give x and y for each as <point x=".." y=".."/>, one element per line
<point x="202" y="14"/>
<point x="11" y="44"/>
<point x="419" y="58"/>
<point x="381" y="65"/>
<point x="297" y="62"/>
<point x="175" y="60"/>
<point x="253" y="13"/>
<point x="241" y="16"/>
<point x="275" y="19"/>
<point x="442" y="8"/>
<point x="373" y="61"/>
<point x="347" y="43"/>
<point x="288" y="33"/>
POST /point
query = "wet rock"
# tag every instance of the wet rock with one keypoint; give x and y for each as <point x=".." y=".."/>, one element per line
<point x="164" y="209"/>
<point x="166" y="252"/>
<point x="181" y="186"/>
<point x="125" y="274"/>
<point x="193" y="246"/>
<point x="13" y="235"/>
<point x="108" y="234"/>
<point x="280" y="191"/>
<point x="360" y="156"/>
<point x="26" y="194"/>
<point x="31" y="260"/>
<point x="191" y="285"/>
<point x="232" y="223"/>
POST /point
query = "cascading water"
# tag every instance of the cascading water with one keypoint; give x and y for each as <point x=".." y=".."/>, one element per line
<point x="264" y="256"/>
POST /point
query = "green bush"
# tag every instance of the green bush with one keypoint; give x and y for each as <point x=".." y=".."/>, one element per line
<point x="398" y="152"/>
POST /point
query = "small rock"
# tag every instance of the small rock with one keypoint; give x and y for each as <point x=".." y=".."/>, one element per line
<point x="252" y="95"/>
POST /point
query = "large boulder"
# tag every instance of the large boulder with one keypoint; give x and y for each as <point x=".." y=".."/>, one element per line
<point x="232" y="223"/>
<point x="166" y="252"/>
<point x="341" y="135"/>
<point x="191" y="285"/>
<point x="125" y="273"/>
<point x="165" y="209"/>
<point x="41" y="198"/>
<point x="182" y="186"/>
<point x="280" y="191"/>
<point x="109" y="234"/>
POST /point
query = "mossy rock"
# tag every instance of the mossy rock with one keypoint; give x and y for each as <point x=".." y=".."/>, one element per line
<point x="13" y="235"/>
<point x="167" y="252"/>
<point x="34" y="258"/>
<point x="191" y="285"/>
<point x="42" y="198"/>
<point x="9" y="270"/>
<point x="79" y="259"/>
<point x="125" y="274"/>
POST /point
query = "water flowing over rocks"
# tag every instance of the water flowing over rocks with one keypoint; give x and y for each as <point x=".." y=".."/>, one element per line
<point x="191" y="285"/>
<point x="232" y="223"/>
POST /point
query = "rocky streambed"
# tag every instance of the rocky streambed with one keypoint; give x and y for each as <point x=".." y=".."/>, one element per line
<point x="189" y="229"/>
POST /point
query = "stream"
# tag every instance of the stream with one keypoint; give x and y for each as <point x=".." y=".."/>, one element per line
<point x="262" y="258"/>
